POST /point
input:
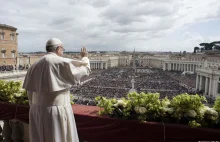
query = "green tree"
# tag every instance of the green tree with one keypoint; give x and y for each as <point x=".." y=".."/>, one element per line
<point x="216" y="45"/>
<point x="206" y="46"/>
<point x="196" y="49"/>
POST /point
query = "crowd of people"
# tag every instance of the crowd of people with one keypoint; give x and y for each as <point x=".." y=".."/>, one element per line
<point x="188" y="79"/>
<point x="8" y="68"/>
<point x="116" y="83"/>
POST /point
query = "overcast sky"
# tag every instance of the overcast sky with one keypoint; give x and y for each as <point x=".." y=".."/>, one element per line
<point x="113" y="25"/>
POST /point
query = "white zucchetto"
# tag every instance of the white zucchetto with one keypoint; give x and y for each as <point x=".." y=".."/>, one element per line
<point x="53" y="41"/>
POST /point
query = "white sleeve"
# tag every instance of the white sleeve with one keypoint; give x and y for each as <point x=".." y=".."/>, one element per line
<point x="86" y="59"/>
<point x="79" y="72"/>
<point x="76" y="69"/>
<point x="83" y="62"/>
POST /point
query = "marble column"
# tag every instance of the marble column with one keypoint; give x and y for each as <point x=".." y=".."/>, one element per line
<point x="29" y="62"/>
<point x="197" y="81"/>
<point x="206" y="85"/>
<point x="101" y="65"/>
<point x="193" y="68"/>
<point x="17" y="131"/>
<point x="210" y="86"/>
<point x="200" y="82"/>
<point x="169" y="66"/>
<point x="215" y="87"/>
<point x="6" y="133"/>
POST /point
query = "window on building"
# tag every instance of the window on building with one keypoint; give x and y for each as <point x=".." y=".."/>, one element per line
<point x="3" y="55"/>
<point x="2" y="36"/>
<point x="12" y="55"/>
<point x="12" y="37"/>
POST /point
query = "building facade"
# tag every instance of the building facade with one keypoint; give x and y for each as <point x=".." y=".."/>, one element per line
<point x="8" y="45"/>
<point x="191" y="62"/>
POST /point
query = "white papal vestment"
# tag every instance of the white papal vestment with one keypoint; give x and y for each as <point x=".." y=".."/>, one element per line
<point x="47" y="82"/>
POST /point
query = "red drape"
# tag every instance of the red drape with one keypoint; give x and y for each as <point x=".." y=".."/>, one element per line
<point x="94" y="128"/>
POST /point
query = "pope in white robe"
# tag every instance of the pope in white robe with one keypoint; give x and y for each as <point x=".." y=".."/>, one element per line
<point x="48" y="83"/>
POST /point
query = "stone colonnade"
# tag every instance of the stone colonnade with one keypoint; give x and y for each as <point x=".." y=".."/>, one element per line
<point x="180" y="66"/>
<point x="96" y="64"/>
<point x="208" y="82"/>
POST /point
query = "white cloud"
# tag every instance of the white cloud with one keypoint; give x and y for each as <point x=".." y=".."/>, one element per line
<point x="108" y="24"/>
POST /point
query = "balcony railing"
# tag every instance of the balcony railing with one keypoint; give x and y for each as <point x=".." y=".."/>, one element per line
<point x="14" y="130"/>
<point x="93" y="128"/>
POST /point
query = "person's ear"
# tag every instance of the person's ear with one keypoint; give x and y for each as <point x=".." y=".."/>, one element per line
<point x="57" y="49"/>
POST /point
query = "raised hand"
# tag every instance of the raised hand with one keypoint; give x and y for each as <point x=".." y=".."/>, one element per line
<point x="84" y="53"/>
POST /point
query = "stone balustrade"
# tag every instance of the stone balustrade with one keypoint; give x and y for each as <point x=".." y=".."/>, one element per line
<point x="14" y="131"/>
<point x="10" y="74"/>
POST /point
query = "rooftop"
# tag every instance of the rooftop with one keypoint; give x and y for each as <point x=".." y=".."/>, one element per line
<point x="8" y="26"/>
